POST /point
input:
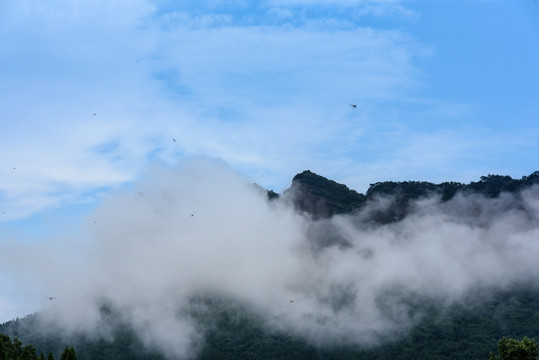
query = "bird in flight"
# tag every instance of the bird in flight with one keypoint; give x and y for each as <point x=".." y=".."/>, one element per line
<point x="50" y="298"/>
<point x="353" y="105"/>
<point x="173" y="139"/>
<point x="292" y="301"/>
<point x="93" y="114"/>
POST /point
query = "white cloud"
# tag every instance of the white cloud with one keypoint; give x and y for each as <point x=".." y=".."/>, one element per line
<point x="150" y="75"/>
<point x="202" y="229"/>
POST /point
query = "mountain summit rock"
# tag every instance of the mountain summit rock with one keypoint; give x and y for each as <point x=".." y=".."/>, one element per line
<point x="321" y="197"/>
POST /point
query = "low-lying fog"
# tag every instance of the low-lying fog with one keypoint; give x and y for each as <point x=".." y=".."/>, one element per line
<point x="203" y="229"/>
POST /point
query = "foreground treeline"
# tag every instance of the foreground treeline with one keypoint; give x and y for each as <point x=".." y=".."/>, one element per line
<point x="13" y="349"/>
<point x="122" y="345"/>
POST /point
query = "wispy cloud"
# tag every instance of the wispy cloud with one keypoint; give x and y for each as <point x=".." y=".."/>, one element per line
<point x="271" y="100"/>
<point x="268" y="94"/>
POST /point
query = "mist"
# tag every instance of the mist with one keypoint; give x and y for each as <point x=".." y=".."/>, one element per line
<point x="202" y="229"/>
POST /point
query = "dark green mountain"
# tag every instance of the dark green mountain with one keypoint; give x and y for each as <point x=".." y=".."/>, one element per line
<point x="322" y="198"/>
<point x="464" y="330"/>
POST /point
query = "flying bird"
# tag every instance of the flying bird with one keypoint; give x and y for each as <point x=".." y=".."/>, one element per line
<point x="93" y="114"/>
<point x="50" y="298"/>
<point x="173" y="139"/>
<point x="353" y="105"/>
<point x="292" y="301"/>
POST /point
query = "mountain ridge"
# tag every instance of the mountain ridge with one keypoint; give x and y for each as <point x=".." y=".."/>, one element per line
<point x="321" y="197"/>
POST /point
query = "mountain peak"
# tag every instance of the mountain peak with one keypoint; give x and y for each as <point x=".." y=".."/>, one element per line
<point x="321" y="197"/>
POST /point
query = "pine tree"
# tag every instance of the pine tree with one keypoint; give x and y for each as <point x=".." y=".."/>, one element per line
<point x="3" y="348"/>
<point x="16" y="349"/>
<point x="69" y="354"/>
<point x="28" y="353"/>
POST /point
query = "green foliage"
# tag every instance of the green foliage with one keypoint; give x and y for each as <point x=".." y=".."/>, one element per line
<point x="512" y="349"/>
<point x="3" y="348"/>
<point x="467" y="330"/>
<point x="14" y="350"/>
<point x="124" y="346"/>
<point x="68" y="354"/>
<point x="28" y="353"/>
<point x="461" y="331"/>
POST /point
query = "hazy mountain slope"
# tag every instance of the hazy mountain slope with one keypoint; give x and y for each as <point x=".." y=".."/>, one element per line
<point x="348" y="230"/>
<point x="461" y="331"/>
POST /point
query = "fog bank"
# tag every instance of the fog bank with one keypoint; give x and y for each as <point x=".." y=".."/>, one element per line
<point x="202" y="229"/>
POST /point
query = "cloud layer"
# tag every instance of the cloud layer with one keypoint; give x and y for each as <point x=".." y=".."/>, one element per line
<point x="203" y="229"/>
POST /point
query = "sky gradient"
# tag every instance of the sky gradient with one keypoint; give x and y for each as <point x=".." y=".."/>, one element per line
<point x="94" y="92"/>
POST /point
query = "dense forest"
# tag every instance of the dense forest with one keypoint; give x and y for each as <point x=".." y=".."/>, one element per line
<point x="13" y="349"/>
<point x="461" y="331"/>
<point x="467" y="329"/>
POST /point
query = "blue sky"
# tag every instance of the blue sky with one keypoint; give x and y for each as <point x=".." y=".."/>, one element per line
<point x="445" y="91"/>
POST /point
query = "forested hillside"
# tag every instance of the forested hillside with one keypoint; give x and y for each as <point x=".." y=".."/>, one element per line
<point x="321" y="197"/>
<point x="461" y="331"/>
<point x="467" y="327"/>
<point x="13" y="349"/>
